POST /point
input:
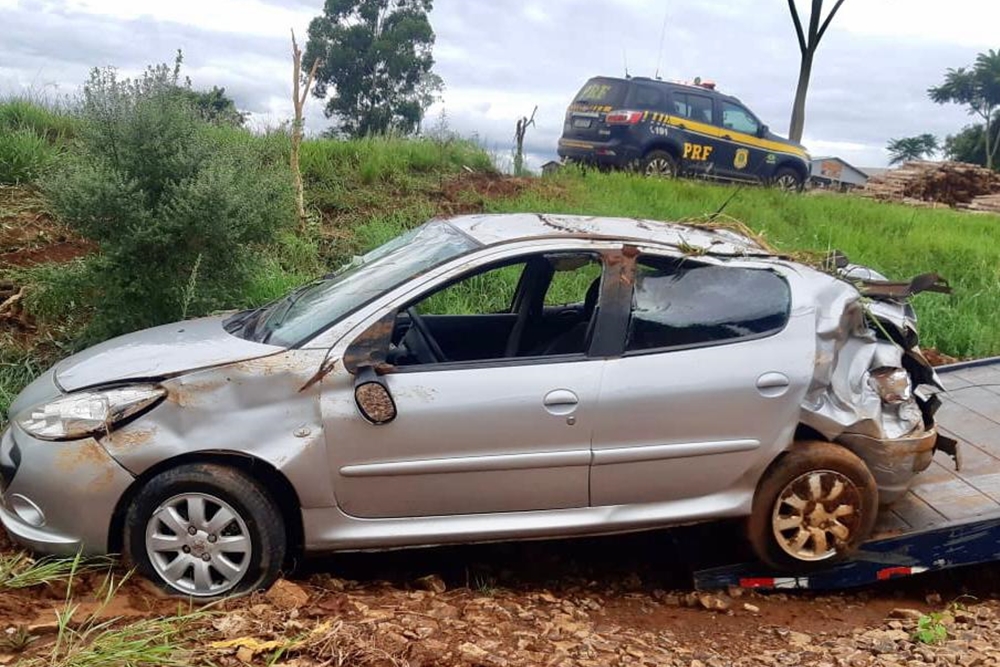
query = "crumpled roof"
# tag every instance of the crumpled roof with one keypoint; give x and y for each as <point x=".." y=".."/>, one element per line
<point x="501" y="228"/>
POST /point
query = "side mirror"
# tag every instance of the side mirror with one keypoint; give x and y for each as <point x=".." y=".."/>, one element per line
<point x="373" y="398"/>
<point x="370" y="348"/>
<point x="763" y="131"/>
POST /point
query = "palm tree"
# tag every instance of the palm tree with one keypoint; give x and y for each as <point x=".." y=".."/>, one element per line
<point x="979" y="89"/>
<point x="912" y="148"/>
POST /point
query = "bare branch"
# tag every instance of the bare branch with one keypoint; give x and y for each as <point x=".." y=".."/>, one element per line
<point x="798" y="25"/>
<point x="829" y="18"/>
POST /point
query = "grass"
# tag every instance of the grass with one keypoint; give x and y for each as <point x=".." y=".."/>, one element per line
<point x="32" y="136"/>
<point x="899" y="241"/>
<point x="19" y="570"/>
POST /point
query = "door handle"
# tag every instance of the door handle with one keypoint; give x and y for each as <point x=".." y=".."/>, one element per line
<point x="773" y="385"/>
<point x="560" y="402"/>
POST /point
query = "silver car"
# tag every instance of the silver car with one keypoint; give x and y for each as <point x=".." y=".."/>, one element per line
<point x="486" y="378"/>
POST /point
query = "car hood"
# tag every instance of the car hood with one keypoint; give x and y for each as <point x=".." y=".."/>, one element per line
<point x="154" y="353"/>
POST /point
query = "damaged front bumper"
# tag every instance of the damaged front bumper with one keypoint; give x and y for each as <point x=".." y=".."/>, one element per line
<point x="58" y="497"/>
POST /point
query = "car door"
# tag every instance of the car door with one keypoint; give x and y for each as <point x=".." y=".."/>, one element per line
<point x="508" y="432"/>
<point x="694" y="115"/>
<point x="741" y="155"/>
<point x="707" y="391"/>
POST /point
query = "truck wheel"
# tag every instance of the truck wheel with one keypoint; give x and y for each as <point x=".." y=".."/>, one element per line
<point x="659" y="164"/>
<point x="788" y="179"/>
<point x="204" y="531"/>
<point x="814" y="505"/>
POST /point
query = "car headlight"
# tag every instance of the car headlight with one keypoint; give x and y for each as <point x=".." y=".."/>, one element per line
<point x="88" y="413"/>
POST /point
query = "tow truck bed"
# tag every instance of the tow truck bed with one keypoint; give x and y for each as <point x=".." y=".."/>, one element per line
<point x="948" y="519"/>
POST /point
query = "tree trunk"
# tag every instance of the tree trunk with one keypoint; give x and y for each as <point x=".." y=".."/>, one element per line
<point x="299" y="96"/>
<point x="799" y="107"/>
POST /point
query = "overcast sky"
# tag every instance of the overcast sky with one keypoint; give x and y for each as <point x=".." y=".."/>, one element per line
<point x="499" y="58"/>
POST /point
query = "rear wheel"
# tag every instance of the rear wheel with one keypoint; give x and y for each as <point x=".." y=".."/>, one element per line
<point x="205" y="531"/>
<point x="814" y="505"/>
<point x="659" y="164"/>
<point x="788" y="179"/>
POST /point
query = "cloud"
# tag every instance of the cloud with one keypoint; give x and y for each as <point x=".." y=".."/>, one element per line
<point x="501" y="58"/>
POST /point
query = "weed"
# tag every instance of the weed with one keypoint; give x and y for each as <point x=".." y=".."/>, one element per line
<point x="24" y="156"/>
<point x="18" y="570"/>
<point x="931" y="629"/>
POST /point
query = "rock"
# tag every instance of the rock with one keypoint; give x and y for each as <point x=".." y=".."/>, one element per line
<point x="752" y="608"/>
<point x="799" y="638"/>
<point x="933" y="599"/>
<point x="432" y="583"/>
<point x="715" y="602"/>
<point x="906" y="614"/>
<point x="287" y="595"/>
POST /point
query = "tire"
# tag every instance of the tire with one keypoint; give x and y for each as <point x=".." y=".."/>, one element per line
<point x="808" y="476"/>
<point x="242" y="551"/>
<point x="658" y="164"/>
<point x="788" y="180"/>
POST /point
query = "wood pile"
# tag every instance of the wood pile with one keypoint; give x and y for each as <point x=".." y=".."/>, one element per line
<point x="984" y="204"/>
<point x="935" y="183"/>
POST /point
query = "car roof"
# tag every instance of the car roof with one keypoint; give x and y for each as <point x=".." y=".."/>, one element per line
<point x="505" y="228"/>
<point x="681" y="85"/>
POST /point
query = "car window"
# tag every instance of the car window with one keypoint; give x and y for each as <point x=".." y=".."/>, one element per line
<point x="602" y="91"/>
<point x="497" y="312"/>
<point x="695" y="107"/>
<point x="735" y="117"/>
<point x="490" y="292"/>
<point x="679" y="303"/>
<point x="573" y="278"/>
<point x="645" y="97"/>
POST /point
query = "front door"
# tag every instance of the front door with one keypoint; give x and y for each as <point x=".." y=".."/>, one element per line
<point x="708" y="390"/>
<point x="741" y="156"/>
<point x="495" y="397"/>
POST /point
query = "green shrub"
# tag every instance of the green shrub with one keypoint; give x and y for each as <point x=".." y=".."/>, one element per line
<point x="24" y="156"/>
<point x="181" y="209"/>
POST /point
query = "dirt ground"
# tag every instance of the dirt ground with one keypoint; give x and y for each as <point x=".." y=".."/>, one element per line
<point x="623" y="600"/>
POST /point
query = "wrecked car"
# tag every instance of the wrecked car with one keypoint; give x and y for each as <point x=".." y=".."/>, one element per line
<point x="486" y="378"/>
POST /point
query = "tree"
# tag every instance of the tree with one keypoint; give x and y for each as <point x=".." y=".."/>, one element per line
<point x="519" y="133"/>
<point x="977" y="88"/>
<point x="912" y="148"/>
<point x="376" y="64"/>
<point x="808" y="43"/>
<point x="300" y="92"/>
<point x="215" y="106"/>
<point x="969" y="145"/>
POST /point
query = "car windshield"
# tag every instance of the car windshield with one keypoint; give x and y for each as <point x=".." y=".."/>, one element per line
<point x="310" y="309"/>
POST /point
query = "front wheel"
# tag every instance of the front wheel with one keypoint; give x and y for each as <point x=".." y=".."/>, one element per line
<point x="659" y="164"/>
<point x="816" y="504"/>
<point x="205" y="531"/>
<point x="788" y="180"/>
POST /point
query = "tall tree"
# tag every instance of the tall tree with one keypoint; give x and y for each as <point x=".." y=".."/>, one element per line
<point x="300" y="92"/>
<point x="978" y="88"/>
<point x="375" y="63"/>
<point x="808" y="43"/>
<point x="912" y="148"/>
<point x="969" y="145"/>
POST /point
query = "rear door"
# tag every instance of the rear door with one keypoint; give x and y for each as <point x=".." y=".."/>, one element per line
<point x="694" y="115"/>
<point x="707" y="391"/>
<point x="585" y="116"/>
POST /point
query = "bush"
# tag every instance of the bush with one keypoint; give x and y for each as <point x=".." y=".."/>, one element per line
<point x="46" y="119"/>
<point x="179" y="207"/>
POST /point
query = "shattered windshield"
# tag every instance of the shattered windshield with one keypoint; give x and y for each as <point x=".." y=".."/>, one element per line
<point x="313" y="307"/>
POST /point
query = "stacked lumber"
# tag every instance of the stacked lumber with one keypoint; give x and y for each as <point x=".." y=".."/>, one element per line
<point x="922" y="183"/>
<point x="985" y="204"/>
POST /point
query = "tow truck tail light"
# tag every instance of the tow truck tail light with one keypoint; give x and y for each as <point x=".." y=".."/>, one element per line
<point x="623" y="117"/>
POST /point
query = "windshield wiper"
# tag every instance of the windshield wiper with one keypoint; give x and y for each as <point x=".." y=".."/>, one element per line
<point x="275" y="320"/>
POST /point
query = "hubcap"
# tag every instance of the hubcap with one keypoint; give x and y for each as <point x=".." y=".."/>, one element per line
<point x="816" y="514"/>
<point x="198" y="544"/>
<point x="787" y="182"/>
<point x="659" y="167"/>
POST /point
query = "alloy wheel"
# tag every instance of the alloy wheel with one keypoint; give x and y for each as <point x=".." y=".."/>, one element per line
<point x="815" y="514"/>
<point x="198" y="544"/>
<point x="660" y="167"/>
